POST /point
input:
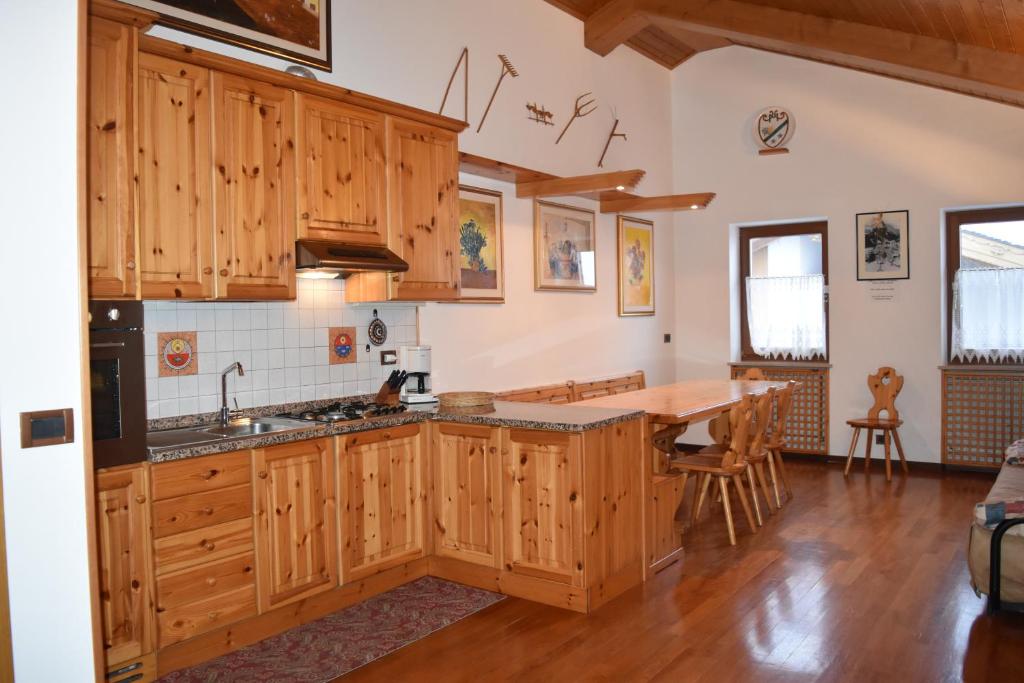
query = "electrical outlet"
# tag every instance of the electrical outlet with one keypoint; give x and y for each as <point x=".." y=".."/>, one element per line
<point x="879" y="439"/>
<point x="668" y="338"/>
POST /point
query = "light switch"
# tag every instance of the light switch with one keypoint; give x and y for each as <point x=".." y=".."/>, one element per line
<point x="388" y="357"/>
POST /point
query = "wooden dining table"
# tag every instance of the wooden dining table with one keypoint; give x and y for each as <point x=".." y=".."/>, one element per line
<point x="670" y="409"/>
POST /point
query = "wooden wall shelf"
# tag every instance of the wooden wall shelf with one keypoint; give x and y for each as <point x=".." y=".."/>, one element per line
<point x="533" y="183"/>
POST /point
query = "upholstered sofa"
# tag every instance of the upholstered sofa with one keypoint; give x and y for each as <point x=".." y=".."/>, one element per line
<point x="1004" y="502"/>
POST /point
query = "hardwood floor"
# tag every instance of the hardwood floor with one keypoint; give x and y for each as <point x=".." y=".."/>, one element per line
<point x="855" y="580"/>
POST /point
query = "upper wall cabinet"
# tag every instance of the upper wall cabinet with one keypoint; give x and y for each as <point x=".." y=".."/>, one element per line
<point x="341" y="175"/>
<point x="423" y="163"/>
<point x="253" y="188"/>
<point x="174" y="208"/>
<point x="112" y="261"/>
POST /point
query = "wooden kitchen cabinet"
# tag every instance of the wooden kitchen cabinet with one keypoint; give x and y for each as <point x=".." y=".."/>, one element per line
<point x="125" y="563"/>
<point x="466" y="492"/>
<point x="111" y="223"/>
<point x="542" y="484"/>
<point x="423" y="191"/>
<point x="342" y="177"/>
<point x="294" y="510"/>
<point x="173" y="187"/>
<point x="253" y="188"/>
<point x="383" y="490"/>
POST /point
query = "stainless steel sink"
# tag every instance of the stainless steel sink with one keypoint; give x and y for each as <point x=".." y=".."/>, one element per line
<point x="248" y="426"/>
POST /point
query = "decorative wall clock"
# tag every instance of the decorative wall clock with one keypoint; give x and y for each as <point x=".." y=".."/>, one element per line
<point x="773" y="128"/>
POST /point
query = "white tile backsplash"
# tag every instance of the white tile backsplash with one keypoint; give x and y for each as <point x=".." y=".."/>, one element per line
<point x="282" y="346"/>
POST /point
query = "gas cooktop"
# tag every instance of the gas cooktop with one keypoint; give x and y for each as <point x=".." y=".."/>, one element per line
<point x="345" y="410"/>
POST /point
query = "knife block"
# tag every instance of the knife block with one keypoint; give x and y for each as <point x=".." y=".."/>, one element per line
<point x="387" y="396"/>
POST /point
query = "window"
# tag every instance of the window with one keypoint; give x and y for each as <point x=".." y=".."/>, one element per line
<point x="985" y="285"/>
<point x="783" y="282"/>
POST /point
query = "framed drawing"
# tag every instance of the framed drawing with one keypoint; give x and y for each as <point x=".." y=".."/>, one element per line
<point x="883" y="245"/>
<point x="564" y="247"/>
<point x="636" y="266"/>
<point x="296" y="30"/>
<point x="481" y="257"/>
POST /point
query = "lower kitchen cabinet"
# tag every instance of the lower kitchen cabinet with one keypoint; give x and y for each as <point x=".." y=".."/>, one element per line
<point x="294" y="511"/>
<point x="383" y="490"/>
<point x="125" y="563"/>
<point x="543" y="505"/>
<point x="467" y="492"/>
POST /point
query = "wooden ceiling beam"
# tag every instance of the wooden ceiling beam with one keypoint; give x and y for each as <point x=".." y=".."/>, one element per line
<point x="672" y="202"/>
<point x="931" y="61"/>
<point x="613" y="24"/>
<point x="560" y="187"/>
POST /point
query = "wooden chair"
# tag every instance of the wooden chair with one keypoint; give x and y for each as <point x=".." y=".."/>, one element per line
<point x="725" y="467"/>
<point x="608" y="386"/>
<point x="885" y="385"/>
<point x="777" y="441"/>
<point x="718" y="427"/>
<point x="548" y="393"/>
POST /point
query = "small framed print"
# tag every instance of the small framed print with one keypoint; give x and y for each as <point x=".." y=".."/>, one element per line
<point x="564" y="247"/>
<point x="481" y="237"/>
<point x="636" y="266"/>
<point x="883" y="245"/>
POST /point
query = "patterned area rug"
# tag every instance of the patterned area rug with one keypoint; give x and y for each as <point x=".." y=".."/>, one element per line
<point x="330" y="647"/>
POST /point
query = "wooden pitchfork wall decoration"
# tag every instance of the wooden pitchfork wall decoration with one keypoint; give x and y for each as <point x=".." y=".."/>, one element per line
<point x="506" y="68"/>
<point x="464" y="55"/>
<point x="581" y="111"/>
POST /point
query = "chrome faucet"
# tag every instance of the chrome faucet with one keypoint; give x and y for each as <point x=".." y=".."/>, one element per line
<point x="225" y="414"/>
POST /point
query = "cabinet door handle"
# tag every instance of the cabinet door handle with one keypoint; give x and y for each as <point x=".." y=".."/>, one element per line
<point x="261" y="475"/>
<point x="207" y="270"/>
<point x="208" y="545"/>
<point x="207" y="510"/>
<point x="224" y="272"/>
<point x="140" y="499"/>
<point x="208" y="475"/>
<point x="130" y="265"/>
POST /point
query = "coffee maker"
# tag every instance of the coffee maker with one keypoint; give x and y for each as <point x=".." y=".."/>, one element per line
<point x="415" y="361"/>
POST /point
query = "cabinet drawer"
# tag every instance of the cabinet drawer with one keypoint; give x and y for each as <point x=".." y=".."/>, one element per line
<point x="175" y="515"/>
<point x="182" y="477"/>
<point x="191" y="548"/>
<point x="187" y="621"/>
<point x="205" y="581"/>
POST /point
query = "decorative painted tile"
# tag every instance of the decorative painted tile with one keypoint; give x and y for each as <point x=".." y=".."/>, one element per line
<point x="177" y="354"/>
<point x="341" y="345"/>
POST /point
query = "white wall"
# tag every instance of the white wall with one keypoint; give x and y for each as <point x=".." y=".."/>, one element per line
<point x="405" y="51"/>
<point x="44" y="488"/>
<point x="862" y="143"/>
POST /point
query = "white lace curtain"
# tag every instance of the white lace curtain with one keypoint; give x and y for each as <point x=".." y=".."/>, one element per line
<point x="786" y="316"/>
<point x="988" y="314"/>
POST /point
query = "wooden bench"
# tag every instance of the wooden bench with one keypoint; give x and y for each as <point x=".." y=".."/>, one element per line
<point x="569" y="392"/>
<point x="549" y="393"/>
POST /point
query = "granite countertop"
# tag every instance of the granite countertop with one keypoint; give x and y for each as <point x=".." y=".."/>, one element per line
<point x="545" y="416"/>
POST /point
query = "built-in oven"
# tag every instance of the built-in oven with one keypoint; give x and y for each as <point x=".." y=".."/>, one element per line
<point x="117" y="382"/>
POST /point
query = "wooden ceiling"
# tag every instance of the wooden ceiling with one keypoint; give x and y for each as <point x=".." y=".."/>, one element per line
<point x="974" y="47"/>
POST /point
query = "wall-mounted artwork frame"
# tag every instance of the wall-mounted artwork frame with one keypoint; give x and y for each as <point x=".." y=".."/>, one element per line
<point x="635" y="256"/>
<point x="299" y="30"/>
<point x="481" y="245"/>
<point x="564" y="247"/>
<point x="883" y="245"/>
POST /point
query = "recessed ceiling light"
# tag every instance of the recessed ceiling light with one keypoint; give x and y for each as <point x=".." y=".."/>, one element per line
<point x="694" y="206"/>
<point x="620" y="188"/>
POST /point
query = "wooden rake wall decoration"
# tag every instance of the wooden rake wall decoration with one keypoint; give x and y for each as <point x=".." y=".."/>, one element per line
<point x="506" y="69"/>
<point x="581" y="110"/>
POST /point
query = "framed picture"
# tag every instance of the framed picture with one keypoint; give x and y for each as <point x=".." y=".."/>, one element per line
<point x="481" y="238"/>
<point x="883" y="245"/>
<point x="636" y="266"/>
<point x="564" y="247"/>
<point x="296" y="30"/>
